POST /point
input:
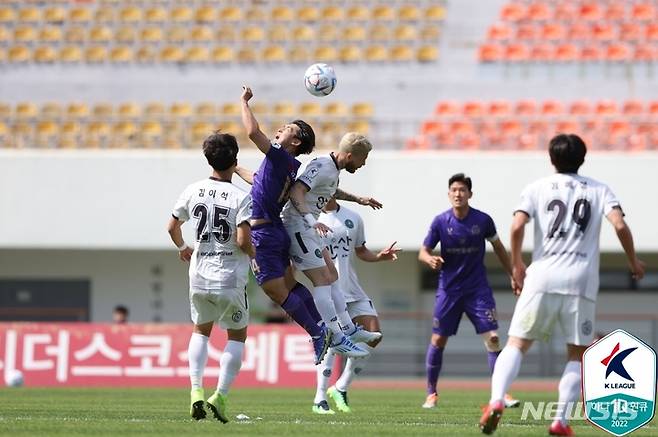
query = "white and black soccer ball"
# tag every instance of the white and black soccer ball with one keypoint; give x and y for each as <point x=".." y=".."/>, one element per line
<point x="320" y="79"/>
<point x="14" y="378"/>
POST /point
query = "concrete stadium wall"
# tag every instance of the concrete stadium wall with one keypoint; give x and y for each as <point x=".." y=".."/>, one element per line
<point x="122" y="200"/>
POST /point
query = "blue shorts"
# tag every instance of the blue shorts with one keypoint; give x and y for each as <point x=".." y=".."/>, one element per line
<point x="272" y="251"/>
<point x="479" y="306"/>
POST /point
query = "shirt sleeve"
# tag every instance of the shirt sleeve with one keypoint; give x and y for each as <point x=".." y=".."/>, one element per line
<point x="312" y="175"/>
<point x="527" y="202"/>
<point x="277" y="155"/>
<point x="181" y="208"/>
<point x="490" y="232"/>
<point x="433" y="235"/>
<point x="244" y="211"/>
<point x="610" y="201"/>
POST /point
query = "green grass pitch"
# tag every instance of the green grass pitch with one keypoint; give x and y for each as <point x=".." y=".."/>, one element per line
<point x="282" y="412"/>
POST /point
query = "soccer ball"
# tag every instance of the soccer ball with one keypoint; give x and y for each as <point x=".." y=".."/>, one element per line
<point x="320" y="79"/>
<point x="14" y="378"/>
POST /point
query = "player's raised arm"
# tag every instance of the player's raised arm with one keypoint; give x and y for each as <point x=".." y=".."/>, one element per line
<point x="516" y="246"/>
<point x="251" y="125"/>
<point x="616" y="218"/>
<point x="245" y="174"/>
<point x="366" y="201"/>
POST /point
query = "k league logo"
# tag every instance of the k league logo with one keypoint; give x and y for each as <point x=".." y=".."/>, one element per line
<point x="619" y="383"/>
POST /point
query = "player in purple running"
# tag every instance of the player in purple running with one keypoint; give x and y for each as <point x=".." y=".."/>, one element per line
<point x="270" y="186"/>
<point x="463" y="287"/>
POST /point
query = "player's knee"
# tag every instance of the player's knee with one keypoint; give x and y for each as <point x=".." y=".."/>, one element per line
<point x="439" y="341"/>
<point x="492" y="343"/>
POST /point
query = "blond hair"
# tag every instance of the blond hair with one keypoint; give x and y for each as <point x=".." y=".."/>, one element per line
<point x="355" y="143"/>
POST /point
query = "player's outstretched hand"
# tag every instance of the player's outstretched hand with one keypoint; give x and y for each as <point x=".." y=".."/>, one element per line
<point x="185" y="254"/>
<point x="637" y="269"/>
<point x="246" y="93"/>
<point x="391" y="253"/>
<point x="322" y="228"/>
<point x="369" y="201"/>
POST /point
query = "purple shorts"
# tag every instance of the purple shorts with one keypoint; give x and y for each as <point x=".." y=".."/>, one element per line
<point x="479" y="306"/>
<point x="272" y="251"/>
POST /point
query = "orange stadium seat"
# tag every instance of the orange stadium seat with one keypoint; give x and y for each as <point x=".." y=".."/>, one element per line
<point x="539" y="11"/>
<point x="325" y="54"/>
<point x="95" y="55"/>
<point x="542" y="52"/>
<point x="376" y="53"/>
<point x="19" y="54"/>
<point x="100" y="34"/>
<point x="525" y="107"/>
<point x="516" y="52"/>
<point x="527" y="31"/>
<point x="383" y="13"/>
<point x="633" y="108"/>
<point x="644" y="52"/>
<point x="81" y="15"/>
<point x="447" y="108"/>
<point x="512" y="12"/>
<point x="328" y="33"/>
<point x="591" y="52"/>
<point x="618" y="52"/>
<point x="552" y="107"/>
<point x="197" y="55"/>
<point x="47" y="134"/>
<point x="226" y="34"/>
<point x="230" y="14"/>
<point x="405" y="32"/>
<point x="51" y="34"/>
<point x="26" y="111"/>
<point x="336" y="109"/>
<point x="580" y="107"/>
<point x="499" y="108"/>
<point x="362" y="109"/>
<point x="256" y="14"/>
<point x="130" y="14"/>
<point x="154" y="110"/>
<point x="75" y="34"/>
<point x="246" y="55"/>
<point x="253" y="34"/>
<point x="103" y="14"/>
<point x="25" y="34"/>
<point x="430" y="32"/>
<point x="350" y="53"/>
<point x="201" y="34"/>
<point x="631" y="32"/>
<point x="29" y="15"/>
<point x="566" y="52"/>
<point x="308" y="13"/>
<point x="590" y="11"/>
<point x="579" y="32"/>
<point x="222" y="54"/>
<point x="604" y="32"/>
<point x="7" y="15"/>
<point x="490" y="52"/>
<point x="298" y="54"/>
<point x="282" y="14"/>
<point x="303" y="34"/>
<point x="181" y="15"/>
<point x="651" y="32"/>
<point x="155" y="15"/>
<point x="643" y="11"/>
<point x="310" y="109"/>
<point x="606" y="107"/>
<point x="401" y="53"/>
<point x="70" y="54"/>
<point x="44" y="54"/>
<point x="473" y="109"/>
<point x="171" y="54"/>
<point x="333" y="13"/>
<point x="615" y="12"/>
<point x="353" y="33"/>
<point x="277" y="33"/>
<point x="499" y="32"/>
<point x="553" y="32"/>
<point x="274" y="53"/>
<point x="180" y="110"/>
<point x="358" y="13"/>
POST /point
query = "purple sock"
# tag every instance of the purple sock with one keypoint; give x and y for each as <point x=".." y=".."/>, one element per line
<point x="306" y="297"/>
<point x="492" y="357"/>
<point x="296" y="309"/>
<point x="433" y="363"/>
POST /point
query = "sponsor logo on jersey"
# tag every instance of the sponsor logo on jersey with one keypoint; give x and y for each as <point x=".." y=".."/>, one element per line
<point x="318" y="253"/>
<point x="237" y="316"/>
<point x="349" y="223"/>
<point x="619" y="383"/>
<point x="475" y="230"/>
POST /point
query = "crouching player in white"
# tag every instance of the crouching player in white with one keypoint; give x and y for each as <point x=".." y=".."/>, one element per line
<point x="219" y="265"/>
<point x="562" y="282"/>
<point x="348" y="238"/>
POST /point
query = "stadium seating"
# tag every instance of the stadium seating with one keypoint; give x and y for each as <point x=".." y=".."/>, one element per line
<point x="158" y="125"/>
<point x="573" y="31"/>
<point x="125" y="31"/>
<point x="528" y="124"/>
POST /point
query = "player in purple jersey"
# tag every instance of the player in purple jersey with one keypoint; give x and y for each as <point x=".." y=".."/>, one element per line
<point x="269" y="192"/>
<point x="463" y="286"/>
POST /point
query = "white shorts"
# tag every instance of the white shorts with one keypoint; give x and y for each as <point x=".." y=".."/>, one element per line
<point x="361" y="308"/>
<point x="536" y="315"/>
<point x="228" y="308"/>
<point x="306" y="247"/>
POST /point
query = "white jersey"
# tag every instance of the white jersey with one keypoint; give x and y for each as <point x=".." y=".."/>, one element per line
<point x="567" y="210"/>
<point x="321" y="178"/>
<point x="347" y="235"/>
<point x="217" y="208"/>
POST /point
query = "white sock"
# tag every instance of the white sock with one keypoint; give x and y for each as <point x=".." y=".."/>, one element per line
<point x="569" y="391"/>
<point x="353" y="367"/>
<point x="229" y="365"/>
<point x="341" y="308"/>
<point x="324" y="374"/>
<point x="197" y="355"/>
<point x="325" y="306"/>
<point x="506" y="370"/>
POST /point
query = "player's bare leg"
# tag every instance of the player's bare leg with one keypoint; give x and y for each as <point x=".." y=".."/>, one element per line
<point x="506" y="370"/>
<point x="197" y="352"/>
<point x="569" y="391"/>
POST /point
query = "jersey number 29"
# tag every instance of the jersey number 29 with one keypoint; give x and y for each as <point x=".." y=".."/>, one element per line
<point x="582" y="211"/>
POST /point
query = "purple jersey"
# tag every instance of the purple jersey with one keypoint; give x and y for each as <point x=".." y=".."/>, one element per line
<point x="462" y="249"/>
<point x="272" y="182"/>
